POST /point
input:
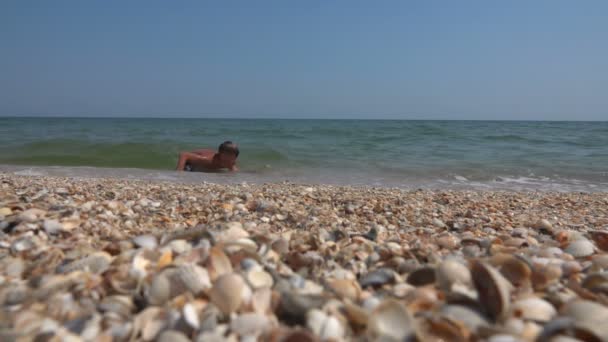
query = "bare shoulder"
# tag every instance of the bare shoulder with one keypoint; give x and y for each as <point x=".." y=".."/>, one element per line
<point x="207" y="153"/>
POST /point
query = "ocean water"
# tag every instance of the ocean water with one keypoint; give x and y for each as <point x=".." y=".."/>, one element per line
<point x="470" y="154"/>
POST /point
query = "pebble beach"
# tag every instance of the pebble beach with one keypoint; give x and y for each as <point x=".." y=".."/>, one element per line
<point x="115" y="260"/>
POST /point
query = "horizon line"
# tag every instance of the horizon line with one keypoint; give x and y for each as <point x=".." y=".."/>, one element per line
<point x="277" y="118"/>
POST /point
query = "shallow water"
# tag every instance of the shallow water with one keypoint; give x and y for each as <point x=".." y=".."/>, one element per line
<point x="482" y="154"/>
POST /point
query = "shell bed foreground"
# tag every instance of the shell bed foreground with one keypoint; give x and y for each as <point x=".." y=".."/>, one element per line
<point x="115" y="260"/>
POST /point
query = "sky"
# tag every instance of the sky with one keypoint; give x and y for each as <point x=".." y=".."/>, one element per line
<point x="478" y="60"/>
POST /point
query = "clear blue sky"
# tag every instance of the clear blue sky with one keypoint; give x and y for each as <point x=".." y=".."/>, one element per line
<point x="342" y="59"/>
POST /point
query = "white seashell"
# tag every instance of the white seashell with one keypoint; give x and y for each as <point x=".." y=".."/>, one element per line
<point x="391" y="320"/>
<point x="145" y="241"/>
<point x="194" y="278"/>
<point x="191" y="316"/>
<point x="95" y="263"/>
<point x="179" y="246"/>
<point x="452" y="272"/>
<point x="580" y="248"/>
<point x="172" y="336"/>
<point x="261" y="299"/>
<point x="249" y="324"/>
<point x="346" y="288"/>
<point x="219" y="263"/>
<point x="241" y="244"/>
<point x="160" y="290"/>
<point x="259" y="279"/>
<point x="534" y="309"/>
<point x="52" y="227"/>
<point x="31" y="215"/>
<point x="588" y="316"/>
<point x="234" y="231"/>
<point x="332" y="329"/>
<point x="227" y="292"/>
<point x="315" y="319"/>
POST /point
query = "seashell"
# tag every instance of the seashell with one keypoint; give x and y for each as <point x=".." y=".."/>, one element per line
<point x="31" y="215"/>
<point x="553" y="328"/>
<point x="315" y="320"/>
<point x="516" y="270"/>
<point x="452" y="272"/>
<point x="422" y="276"/>
<point x="503" y="338"/>
<point x="121" y="305"/>
<point x="179" y="246"/>
<point x="193" y="277"/>
<point x="4" y="212"/>
<point x="191" y="316"/>
<point x="241" y="244"/>
<point x="600" y="237"/>
<point x="401" y="290"/>
<point x="391" y="320"/>
<point x="345" y="288"/>
<point x="172" y="336"/>
<point x="234" y="231"/>
<point x="493" y="290"/>
<point x="12" y="267"/>
<point x="544" y="276"/>
<point x="332" y="330"/>
<point x="596" y="282"/>
<point x="447" y="241"/>
<point x="377" y="277"/>
<point x="570" y="268"/>
<point x="146" y="241"/>
<point x="580" y="248"/>
<point x="159" y="291"/>
<point x="259" y="279"/>
<point x="14" y="295"/>
<point x="472" y="319"/>
<point x="97" y="263"/>
<point x="249" y="324"/>
<point x="355" y="314"/>
<point x="52" y="227"/>
<point x="261" y="300"/>
<point x="589" y="318"/>
<point x="248" y="264"/>
<point x="165" y="259"/>
<point x="280" y="245"/>
<point x="544" y="226"/>
<point x="294" y="306"/>
<point x="534" y="309"/>
<point x="600" y="262"/>
<point x="22" y="244"/>
<point x="226" y="292"/>
<point x="139" y="265"/>
<point x="219" y="263"/>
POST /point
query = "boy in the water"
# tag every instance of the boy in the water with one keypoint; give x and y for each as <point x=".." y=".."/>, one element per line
<point x="206" y="160"/>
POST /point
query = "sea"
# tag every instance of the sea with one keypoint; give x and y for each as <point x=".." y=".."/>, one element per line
<point x="496" y="155"/>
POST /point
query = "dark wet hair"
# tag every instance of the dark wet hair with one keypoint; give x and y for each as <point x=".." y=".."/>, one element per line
<point x="229" y="147"/>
